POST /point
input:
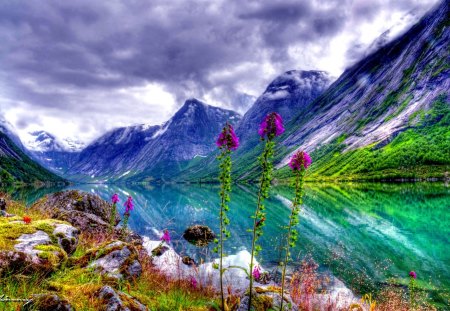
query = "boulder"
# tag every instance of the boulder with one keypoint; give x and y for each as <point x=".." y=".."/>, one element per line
<point x="38" y="246"/>
<point x="116" y="260"/>
<point x="267" y="298"/>
<point x="86" y="211"/>
<point x="118" y="301"/>
<point x="199" y="235"/>
<point x="45" y="302"/>
<point x="67" y="236"/>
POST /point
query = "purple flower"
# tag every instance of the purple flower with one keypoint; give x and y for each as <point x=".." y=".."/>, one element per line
<point x="129" y="205"/>
<point x="271" y="126"/>
<point x="228" y="138"/>
<point x="413" y="274"/>
<point x="256" y="272"/>
<point x="193" y="282"/>
<point x="299" y="160"/>
<point x="115" y="198"/>
<point x="166" y="236"/>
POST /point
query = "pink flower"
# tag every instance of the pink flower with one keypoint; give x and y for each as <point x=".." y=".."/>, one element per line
<point x="129" y="205"/>
<point x="193" y="282"/>
<point x="115" y="198"/>
<point x="228" y="138"/>
<point x="166" y="236"/>
<point x="256" y="272"/>
<point x="299" y="160"/>
<point x="413" y="274"/>
<point x="271" y="126"/>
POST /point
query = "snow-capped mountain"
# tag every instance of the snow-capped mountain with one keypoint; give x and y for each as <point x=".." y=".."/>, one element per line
<point x="289" y="94"/>
<point x="154" y="151"/>
<point x="43" y="141"/>
<point x="55" y="154"/>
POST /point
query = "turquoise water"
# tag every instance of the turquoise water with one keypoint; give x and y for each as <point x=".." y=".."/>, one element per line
<point x="365" y="234"/>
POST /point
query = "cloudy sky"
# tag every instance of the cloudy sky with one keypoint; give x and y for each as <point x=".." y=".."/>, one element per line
<point x="79" y="68"/>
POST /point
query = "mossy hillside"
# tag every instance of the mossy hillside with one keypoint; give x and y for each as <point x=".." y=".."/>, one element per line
<point x="21" y="168"/>
<point x="420" y="151"/>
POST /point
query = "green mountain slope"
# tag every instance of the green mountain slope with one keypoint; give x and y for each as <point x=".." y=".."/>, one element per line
<point x="16" y="166"/>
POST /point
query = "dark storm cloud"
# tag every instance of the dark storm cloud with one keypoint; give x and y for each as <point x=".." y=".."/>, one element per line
<point x="67" y="56"/>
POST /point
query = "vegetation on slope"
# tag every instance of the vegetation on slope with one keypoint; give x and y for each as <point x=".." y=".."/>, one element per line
<point x="420" y="151"/>
<point x="22" y="169"/>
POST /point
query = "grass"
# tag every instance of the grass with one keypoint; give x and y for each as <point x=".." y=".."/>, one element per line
<point x="78" y="284"/>
<point x="421" y="151"/>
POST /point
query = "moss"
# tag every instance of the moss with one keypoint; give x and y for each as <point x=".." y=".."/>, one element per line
<point x="262" y="302"/>
<point x="54" y="254"/>
<point x="12" y="230"/>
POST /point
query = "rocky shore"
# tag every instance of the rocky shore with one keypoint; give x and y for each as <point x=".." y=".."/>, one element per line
<point x="65" y="240"/>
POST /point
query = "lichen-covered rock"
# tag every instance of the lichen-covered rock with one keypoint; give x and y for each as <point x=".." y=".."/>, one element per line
<point x="36" y="246"/>
<point x="199" y="235"/>
<point x="116" y="260"/>
<point x="86" y="211"/>
<point x="118" y="301"/>
<point x="45" y="302"/>
<point x="67" y="236"/>
<point x="267" y="298"/>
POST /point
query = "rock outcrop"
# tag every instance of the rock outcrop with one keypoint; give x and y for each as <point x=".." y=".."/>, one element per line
<point x="83" y="210"/>
<point x="118" y="301"/>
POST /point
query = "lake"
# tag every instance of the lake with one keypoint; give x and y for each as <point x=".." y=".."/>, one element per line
<point x="364" y="234"/>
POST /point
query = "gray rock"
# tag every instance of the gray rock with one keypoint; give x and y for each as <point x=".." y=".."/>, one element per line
<point x="86" y="211"/>
<point x="114" y="301"/>
<point x="118" y="260"/>
<point x="111" y="299"/>
<point x="27" y="242"/>
<point x="268" y="301"/>
<point x="67" y="237"/>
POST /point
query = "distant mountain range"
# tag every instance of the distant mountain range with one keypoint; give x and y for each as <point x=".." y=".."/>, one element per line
<point x="147" y="152"/>
<point x="385" y="117"/>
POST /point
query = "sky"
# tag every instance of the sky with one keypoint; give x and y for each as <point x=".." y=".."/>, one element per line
<point x="80" y="68"/>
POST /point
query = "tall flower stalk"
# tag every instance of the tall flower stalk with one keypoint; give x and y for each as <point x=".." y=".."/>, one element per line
<point x="128" y="208"/>
<point x="271" y="127"/>
<point x="226" y="142"/>
<point x="299" y="162"/>
<point x="412" y="289"/>
<point x="112" y="220"/>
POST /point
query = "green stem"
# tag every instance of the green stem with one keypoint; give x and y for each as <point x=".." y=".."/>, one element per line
<point x="291" y="220"/>
<point x="113" y="217"/>
<point x="125" y="224"/>
<point x="261" y="192"/>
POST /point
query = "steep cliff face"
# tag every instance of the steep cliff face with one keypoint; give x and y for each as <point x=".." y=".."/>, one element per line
<point x="375" y="97"/>
<point x="385" y="116"/>
<point x="143" y="151"/>
<point x="380" y="103"/>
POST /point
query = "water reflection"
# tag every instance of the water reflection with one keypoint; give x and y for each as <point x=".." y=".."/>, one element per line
<point x="363" y="233"/>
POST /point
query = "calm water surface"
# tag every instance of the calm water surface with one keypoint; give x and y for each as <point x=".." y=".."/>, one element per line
<point x="365" y="234"/>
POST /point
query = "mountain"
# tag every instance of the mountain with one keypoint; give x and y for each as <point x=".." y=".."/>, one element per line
<point x="56" y="155"/>
<point x="143" y="151"/>
<point x="288" y="94"/>
<point x="16" y="166"/>
<point x="385" y="117"/>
